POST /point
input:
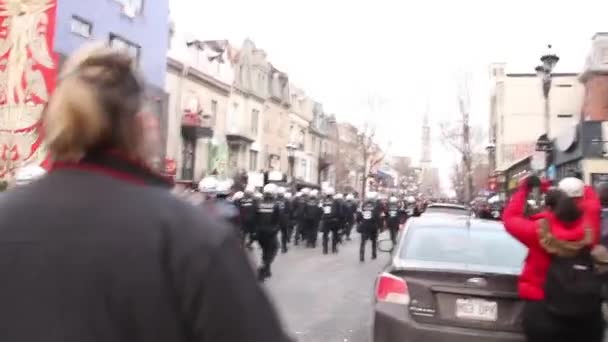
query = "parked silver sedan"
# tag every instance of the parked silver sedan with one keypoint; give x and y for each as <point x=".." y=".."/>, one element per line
<point x="451" y="278"/>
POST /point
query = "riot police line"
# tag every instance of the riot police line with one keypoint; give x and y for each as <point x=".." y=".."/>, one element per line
<point x="275" y="218"/>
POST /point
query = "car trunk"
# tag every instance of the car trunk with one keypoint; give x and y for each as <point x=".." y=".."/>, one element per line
<point x="463" y="299"/>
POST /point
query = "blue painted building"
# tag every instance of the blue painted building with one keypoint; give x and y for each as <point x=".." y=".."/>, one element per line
<point x="139" y="26"/>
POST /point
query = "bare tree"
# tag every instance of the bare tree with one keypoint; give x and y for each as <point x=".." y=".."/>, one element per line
<point x="371" y="154"/>
<point x="458" y="135"/>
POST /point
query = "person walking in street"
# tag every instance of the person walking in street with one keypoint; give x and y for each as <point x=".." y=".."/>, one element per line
<point x="267" y="223"/>
<point x="350" y="209"/>
<point x="312" y="217"/>
<point x="330" y="221"/>
<point x="558" y="281"/>
<point x="284" y="217"/>
<point x="291" y="218"/>
<point x="248" y="208"/>
<point x="110" y="254"/>
<point x="369" y="220"/>
<point x="300" y="212"/>
<point x="394" y="213"/>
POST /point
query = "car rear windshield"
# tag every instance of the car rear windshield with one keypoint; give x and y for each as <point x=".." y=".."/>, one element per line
<point x="446" y="210"/>
<point x="486" y="249"/>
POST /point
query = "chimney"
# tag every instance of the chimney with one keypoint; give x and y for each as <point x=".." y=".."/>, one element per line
<point x="595" y="79"/>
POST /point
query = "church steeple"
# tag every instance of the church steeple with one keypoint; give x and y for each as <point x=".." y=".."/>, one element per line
<point x="425" y="157"/>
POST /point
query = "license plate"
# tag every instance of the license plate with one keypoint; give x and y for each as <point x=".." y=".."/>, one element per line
<point x="476" y="309"/>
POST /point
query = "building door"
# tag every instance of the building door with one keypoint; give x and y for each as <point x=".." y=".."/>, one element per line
<point x="188" y="158"/>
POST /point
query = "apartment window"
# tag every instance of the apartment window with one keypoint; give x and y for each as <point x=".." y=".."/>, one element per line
<point x="213" y="111"/>
<point x="255" y="117"/>
<point x="313" y="140"/>
<point x="81" y="27"/>
<point x="131" y="7"/>
<point x="253" y="160"/>
<point x="120" y="43"/>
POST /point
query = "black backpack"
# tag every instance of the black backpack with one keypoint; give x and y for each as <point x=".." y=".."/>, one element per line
<point x="572" y="285"/>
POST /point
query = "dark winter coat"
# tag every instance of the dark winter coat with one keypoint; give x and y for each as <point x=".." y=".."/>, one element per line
<point x="102" y="251"/>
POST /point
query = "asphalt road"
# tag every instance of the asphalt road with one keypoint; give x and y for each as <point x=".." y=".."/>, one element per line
<point x="325" y="298"/>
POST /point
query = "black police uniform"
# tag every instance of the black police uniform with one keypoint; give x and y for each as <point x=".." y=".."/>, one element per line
<point x="284" y="221"/>
<point x="268" y="217"/>
<point x="350" y="208"/>
<point x="312" y="216"/>
<point x="330" y="221"/>
<point x="298" y="210"/>
<point x="248" y="207"/>
<point x="369" y="223"/>
<point x="394" y="213"/>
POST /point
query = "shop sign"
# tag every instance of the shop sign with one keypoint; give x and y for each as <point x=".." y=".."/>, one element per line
<point x="543" y="144"/>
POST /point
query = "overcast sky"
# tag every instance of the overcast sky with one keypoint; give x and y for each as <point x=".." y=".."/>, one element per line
<point x="407" y="54"/>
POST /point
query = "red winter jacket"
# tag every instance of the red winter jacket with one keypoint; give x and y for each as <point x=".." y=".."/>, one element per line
<point x="532" y="279"/>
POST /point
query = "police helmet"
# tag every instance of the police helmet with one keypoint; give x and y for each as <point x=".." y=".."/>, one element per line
<point x="288" y="195"/>
<point x="208" y="185"/>
<point x="258" y="195"/>
<point x="298" y="194"/>
<point x="224" y="187"/>
<point x="305" y="191"/>
<point x="314" y="193"/>
<point x="237" y="195"/>
<point x="249" y="189"/>
<point x="411" y="200"/>
<point x="329" y="191"/>
<point x="392" y="199"/>
<point x="281" y="191"/>
<point x="371" y="195"/>
<point x="270" y="189"/>
<point x="338" y="196"/>
<point x="350" y="197"/>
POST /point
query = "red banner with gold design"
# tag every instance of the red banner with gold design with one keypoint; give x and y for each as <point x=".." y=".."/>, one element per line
<point x="28" y="69"/>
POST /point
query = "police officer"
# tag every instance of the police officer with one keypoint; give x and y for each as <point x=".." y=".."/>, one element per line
<point x="330" y="220"/>
<point x="350" y="209"/>
<point x="291" y="223"/>
<point x="268" y="219"/>
<point x="224" y="207"/>
<point x="248" y="209"/>
<point x="339" y="198"/>
<point x="369" y="219"/>
<point x="394" y="214"/>
<point x="285" y="213"/>
<point x="312" y="218"/>
<point x="299" y="213"/>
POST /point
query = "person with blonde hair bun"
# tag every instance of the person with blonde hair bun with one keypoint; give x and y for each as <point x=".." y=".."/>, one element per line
<point x="99" y="249"/>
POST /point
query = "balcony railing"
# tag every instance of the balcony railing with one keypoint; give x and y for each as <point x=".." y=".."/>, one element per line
<point x="196" y="125"/>
<point x="239" y="133"/>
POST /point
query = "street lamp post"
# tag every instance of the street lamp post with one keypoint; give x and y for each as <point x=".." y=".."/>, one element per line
<point x="491" y="148"/>
<point x="291" y="148"/>
<point x="544" y="72"/>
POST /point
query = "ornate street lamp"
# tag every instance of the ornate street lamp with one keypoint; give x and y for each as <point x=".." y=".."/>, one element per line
<point x="544" y="72"/>
<point x="291" y="149"/>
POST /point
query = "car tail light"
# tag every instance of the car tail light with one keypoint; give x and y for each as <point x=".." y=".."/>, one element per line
<point x="392" y="289"/>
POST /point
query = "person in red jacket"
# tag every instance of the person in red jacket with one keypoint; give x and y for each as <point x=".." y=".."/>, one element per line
<point x="573" y="209"/>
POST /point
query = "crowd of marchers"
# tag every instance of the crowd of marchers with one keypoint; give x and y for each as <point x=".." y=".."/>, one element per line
<point x="275" y="218"/>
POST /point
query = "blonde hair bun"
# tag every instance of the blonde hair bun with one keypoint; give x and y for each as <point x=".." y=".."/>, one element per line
<point x="97" y="96"/>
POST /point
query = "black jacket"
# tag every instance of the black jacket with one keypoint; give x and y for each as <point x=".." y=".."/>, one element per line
<point x="369" y="217"/>
<point x="268" y="216"/>
<point x="331" y="209"/>
<point x="102" y="251"/>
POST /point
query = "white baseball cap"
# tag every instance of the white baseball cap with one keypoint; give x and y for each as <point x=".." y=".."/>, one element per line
<point x="572" y="187"/>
